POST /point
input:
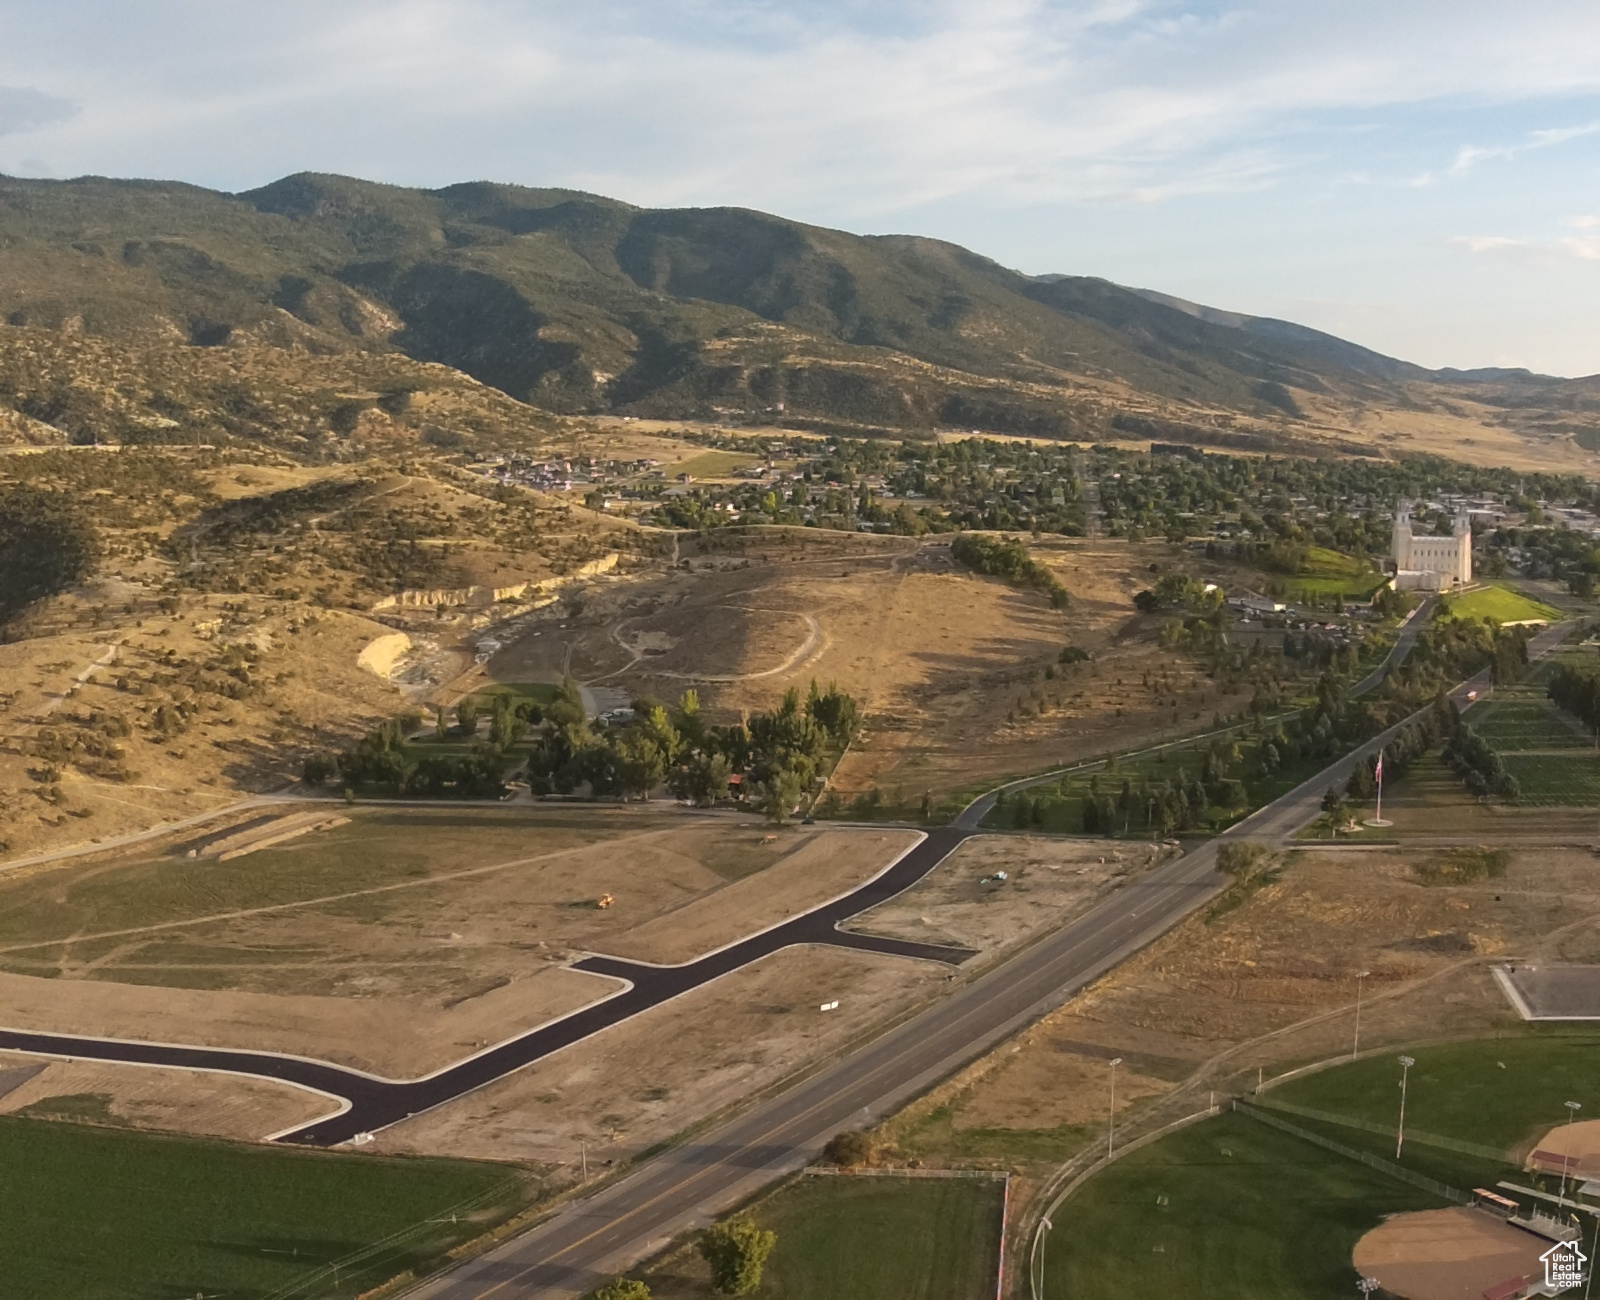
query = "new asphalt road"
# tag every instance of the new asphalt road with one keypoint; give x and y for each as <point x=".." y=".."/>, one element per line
<point x="368" y="1102"/>
<point x="594" y="1238"/>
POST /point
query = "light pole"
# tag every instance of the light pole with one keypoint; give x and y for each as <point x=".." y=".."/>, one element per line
<point x="1111" y="1116"/>
<point x="1406" y="1063"/>
<point x="1368" y="1285"/>
<point x="1573" y="1108"/>
<point x="1355" y="1047"/>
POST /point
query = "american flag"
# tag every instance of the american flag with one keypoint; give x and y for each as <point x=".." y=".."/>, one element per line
<point x="1378" y="770"/>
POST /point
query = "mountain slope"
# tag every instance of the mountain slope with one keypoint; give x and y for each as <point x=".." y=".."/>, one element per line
<point x="579" y="303"/>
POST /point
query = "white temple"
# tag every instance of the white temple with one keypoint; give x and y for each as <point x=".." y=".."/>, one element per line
<point x="1431" y="563"/>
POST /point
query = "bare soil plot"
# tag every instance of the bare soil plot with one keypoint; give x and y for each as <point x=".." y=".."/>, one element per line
<point x="404" y="940"/>
<point x="650" y="1077"/>
<point x="1047" y="881"/>
<point x="816" y="868"/>
<point x="1455" y="1254"/>
<point x="185" y="1101"/>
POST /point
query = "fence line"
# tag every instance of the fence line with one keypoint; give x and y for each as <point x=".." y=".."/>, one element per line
<point x="1442" y="1190"/>
<point x="894" y="1171"/>
<point x="1418" y="1136"/>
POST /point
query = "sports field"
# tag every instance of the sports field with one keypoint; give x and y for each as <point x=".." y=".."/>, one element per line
<point x="100" y="1214"/>
<point x="1230" y="1207"/>
<point x="1496" y="1093"/>
<point x="869" y="1238"/>
<point x="1226" y="1209"/>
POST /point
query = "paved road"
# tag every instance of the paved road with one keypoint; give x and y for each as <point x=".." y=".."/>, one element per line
<point x="367" y="1102"/>
<point x="591" y="1240"/>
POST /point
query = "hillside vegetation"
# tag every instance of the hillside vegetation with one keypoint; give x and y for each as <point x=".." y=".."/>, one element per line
<point x="576" y="303"/>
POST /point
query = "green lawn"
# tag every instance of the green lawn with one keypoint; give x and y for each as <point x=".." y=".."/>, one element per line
<point x="712" y="464"/>
<point x="1461" y="1091"/>
<point x="1556" y="780"/>
<point x="1227" y="1209"/>
<point x="538" y="692"/>
<point x="1503" y="604"/>
<point x="100" y="1214"/>
<point x="874" y="1238"/>
<point x="1331" y="573"/>
<point x="1514" y="724"/>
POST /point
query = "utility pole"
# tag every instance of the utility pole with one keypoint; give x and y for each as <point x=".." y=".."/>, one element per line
<point x="1111" y="1118"/>
<point x="1406" y="1063"/>
<point x="1573" y="1108"/>
<point x="1355" y="1047"/>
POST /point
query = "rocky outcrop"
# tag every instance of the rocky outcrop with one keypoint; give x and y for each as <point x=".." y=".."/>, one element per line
<point x="483" y="597"/>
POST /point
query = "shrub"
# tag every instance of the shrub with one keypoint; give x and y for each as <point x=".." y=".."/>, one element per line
<point x="736" y="1251"/>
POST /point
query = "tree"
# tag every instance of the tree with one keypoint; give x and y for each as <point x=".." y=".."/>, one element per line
<point x="736" y="1251"/>
<point x="780" y="795"/>
<point x="316" y="769"/>
<point x="849" y="1149"/>
<point x="467" y="716"/>
<point x="622" y="1288"/>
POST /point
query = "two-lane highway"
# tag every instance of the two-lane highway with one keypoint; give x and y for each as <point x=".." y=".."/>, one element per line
<point x="598" y="1236"/>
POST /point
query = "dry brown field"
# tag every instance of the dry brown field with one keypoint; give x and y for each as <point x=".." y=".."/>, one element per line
<point x="1264" y="986"/>
<point x="957" y="674"/>
<point x="409" y="938"/>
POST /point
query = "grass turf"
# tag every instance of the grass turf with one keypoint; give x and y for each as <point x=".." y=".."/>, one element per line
<point x="1498" y="1093"/>
<point x="1226" y="1209"/>
<point x="1503" y="604"/>
<point x="866" y="1238"/>
<point x="95" y="1213"/>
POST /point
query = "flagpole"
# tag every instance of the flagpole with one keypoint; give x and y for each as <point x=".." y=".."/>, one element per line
<point x="1380" y="785"/>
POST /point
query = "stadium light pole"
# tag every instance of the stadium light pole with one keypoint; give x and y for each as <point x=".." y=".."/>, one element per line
<point x="1111" y="1117"/>
<point x="1573" y="1107"/>
<point x="1355" y="1047"/>
<point x="1406" y="1063"/>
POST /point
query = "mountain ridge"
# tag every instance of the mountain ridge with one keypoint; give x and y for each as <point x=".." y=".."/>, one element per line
<point x="583" y="304"/>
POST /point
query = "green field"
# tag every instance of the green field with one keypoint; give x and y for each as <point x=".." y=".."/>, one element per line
<point x="1227" y="1209"/>
<point x="1232" y="1208"/>
<point x="1517" y="724"/>
<point x="712" y="464"/>
<point x="869" y="1238"/>
<point x="100" y="1214"/>
<point x="1503" y="604"/>
<point x="1495" y="1093"/>
<point x="1331" y="573"/>
<point x="538" y="692"/>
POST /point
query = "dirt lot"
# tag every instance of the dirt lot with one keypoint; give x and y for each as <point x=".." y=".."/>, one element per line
<point x="816" y="868"/>
<point x="1048" y="880"/>
<point x="184" y="1101"/>
<point x="957" y="673"/>
<point x="1268" y="983"/>
<point x="403" y="940"/>
<point x="1455" y="1254"/>
<point x="644" y="1080"/>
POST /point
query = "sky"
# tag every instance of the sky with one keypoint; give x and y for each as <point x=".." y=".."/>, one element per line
<point x="1421" y="177"/>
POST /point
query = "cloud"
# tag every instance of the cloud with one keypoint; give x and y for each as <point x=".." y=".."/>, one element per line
<point x="1583" y="248"/>
<point x="1469" y="156"/>
<point x="23" y="108"/>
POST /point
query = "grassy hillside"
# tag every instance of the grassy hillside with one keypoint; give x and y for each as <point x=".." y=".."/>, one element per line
<point x="577" y="303"/>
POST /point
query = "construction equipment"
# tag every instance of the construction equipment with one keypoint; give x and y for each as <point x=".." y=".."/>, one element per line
<point x="604" y="901"/>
